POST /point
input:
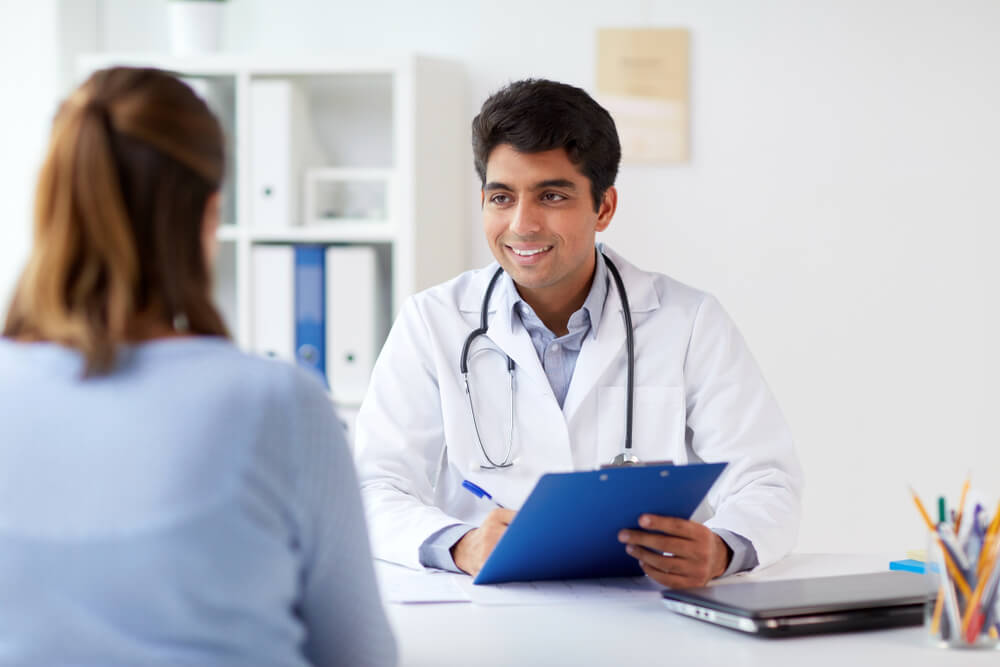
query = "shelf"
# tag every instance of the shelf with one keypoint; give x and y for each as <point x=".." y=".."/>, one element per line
<point x="352" y="173"/>
<point x="352" y="403"/>
<point x="229" y="233"/>
<point x="222" y="64"/>
<point x="371" y="151"/>
<point x="337" y="195"/>
<point x="347" y="231"/>
<point x="336" y="232"/>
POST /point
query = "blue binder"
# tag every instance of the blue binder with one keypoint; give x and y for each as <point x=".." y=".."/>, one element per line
<point x="568" y="527"/>
<point x="310" y="308"/>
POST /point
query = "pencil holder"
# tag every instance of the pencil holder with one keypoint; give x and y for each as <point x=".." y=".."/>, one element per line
<point x="964" y="613"/>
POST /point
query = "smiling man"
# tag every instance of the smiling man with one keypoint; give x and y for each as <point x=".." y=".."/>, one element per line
<point x="539" y="386"/>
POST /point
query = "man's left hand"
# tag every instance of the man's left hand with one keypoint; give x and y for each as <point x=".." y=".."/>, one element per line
<point x="676" y="552"/>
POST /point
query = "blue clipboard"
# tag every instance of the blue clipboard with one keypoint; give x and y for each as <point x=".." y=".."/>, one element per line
<point x="568" y="527"/>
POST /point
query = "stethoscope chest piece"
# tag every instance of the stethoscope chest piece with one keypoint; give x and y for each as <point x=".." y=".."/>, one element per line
<point x="625" y="459"/>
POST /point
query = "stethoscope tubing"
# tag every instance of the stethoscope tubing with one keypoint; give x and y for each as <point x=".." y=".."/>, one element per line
<point x="629" y="351"/>
<point x="483" y="327"/>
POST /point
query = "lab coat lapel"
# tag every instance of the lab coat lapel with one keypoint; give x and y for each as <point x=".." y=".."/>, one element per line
<point x="597" y="353"/>
<point x="509" y="336"/>
<point x="512" y="338"/>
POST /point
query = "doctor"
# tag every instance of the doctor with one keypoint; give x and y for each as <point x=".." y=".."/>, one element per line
<point x="548" y="378"/>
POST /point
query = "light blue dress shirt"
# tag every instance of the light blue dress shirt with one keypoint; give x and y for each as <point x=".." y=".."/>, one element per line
<point x="558" y="357"/>
<point x="197" y="506"/>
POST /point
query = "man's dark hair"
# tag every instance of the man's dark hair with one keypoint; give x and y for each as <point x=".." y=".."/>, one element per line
<point x="536" y="115"/>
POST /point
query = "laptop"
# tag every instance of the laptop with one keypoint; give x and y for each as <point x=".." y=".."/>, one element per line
<point x="808" y="606"/>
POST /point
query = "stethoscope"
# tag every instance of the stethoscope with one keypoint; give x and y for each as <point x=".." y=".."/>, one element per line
<point x="625" y="457"/>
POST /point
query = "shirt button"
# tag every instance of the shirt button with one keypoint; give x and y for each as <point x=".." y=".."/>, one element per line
<point x="555" y="347"/>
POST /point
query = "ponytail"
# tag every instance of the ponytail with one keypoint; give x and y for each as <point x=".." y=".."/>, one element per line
<point x="118" y="220"/>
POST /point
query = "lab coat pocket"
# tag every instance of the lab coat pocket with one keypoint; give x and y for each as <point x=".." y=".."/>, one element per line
<point x="658" y="421"/>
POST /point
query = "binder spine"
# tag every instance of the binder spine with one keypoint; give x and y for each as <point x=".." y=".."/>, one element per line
<point x="310" y="308"/>
<point x="273" y="276"/>
<point x="272" y="158"/>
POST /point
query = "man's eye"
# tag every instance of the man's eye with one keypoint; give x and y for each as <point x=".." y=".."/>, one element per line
<point x="553" y="196"/>
<point x="500" y="199"/>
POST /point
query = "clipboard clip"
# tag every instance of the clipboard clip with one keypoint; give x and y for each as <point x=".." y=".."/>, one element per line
<point x="629" y="461"/>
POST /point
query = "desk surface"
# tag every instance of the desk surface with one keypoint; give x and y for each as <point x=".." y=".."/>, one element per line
<point x="644" y="632"/>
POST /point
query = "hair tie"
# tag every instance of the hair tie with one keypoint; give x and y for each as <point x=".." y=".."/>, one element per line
<point x="101" y="110"/>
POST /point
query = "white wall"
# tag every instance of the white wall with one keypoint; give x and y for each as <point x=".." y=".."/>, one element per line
<point x="38" y="43"/>
<point x="841" y="201"/>
<point x="27" y="33"/>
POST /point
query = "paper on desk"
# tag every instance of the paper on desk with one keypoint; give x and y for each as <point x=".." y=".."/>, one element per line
<point x="401" y="584"/>
<point x="560" y="592"/>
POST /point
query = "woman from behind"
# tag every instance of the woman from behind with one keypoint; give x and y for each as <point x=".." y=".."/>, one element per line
<point x="164" y="498"/>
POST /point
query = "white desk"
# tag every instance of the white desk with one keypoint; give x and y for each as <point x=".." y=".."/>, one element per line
<point x="645" y="633"/>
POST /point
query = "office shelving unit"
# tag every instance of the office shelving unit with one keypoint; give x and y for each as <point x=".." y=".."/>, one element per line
<point x="392" y="125"/>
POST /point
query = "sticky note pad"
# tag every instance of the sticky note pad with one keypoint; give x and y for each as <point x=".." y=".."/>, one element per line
<point x="908" y="565"/>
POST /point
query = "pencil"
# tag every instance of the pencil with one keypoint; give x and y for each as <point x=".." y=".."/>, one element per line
<point x="961" y="504"/>
<point x="953" y="570"/>
<point x="987" y="563"/>
<point x="938" y="607"/>
<point x="923" y="512"/>
<point x="991" y="534"/>
<point x="974" y="610"/>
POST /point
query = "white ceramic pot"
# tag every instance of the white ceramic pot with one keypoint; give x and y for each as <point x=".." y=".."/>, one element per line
<point x="195" y="26"/>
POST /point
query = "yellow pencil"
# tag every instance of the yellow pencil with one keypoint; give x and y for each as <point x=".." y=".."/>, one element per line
<point x="923" y="512"/>
<point x="961" y="504"/>
<point x="939" y="603"/>
<point x="973" y="605"/>
<point x="938" y="607"/>
<point x="953" y="570"/>
<point x="987" y="561"/>
<point x="991" y="535"/>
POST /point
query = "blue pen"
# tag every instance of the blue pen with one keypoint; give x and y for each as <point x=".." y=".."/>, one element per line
<point x="479" y="492"/>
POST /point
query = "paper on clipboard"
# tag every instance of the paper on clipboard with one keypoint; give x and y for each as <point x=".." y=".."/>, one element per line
<point x="568" y="527"/>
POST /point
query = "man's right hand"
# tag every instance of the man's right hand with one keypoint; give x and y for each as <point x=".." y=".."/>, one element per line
<point x="470" y="552"/>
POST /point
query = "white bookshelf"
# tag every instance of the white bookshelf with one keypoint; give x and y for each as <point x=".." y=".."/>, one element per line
<point x="392" y="125"/>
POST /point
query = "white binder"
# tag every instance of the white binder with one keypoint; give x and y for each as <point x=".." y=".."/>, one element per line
<point x="282" y="145"/>
<point x="353" y="319"/>
<point x="273" y="307"/>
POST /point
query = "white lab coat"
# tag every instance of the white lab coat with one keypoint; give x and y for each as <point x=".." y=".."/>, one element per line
<point x="699" y="396"/>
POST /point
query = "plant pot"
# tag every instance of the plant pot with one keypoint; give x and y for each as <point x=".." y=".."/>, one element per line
<point x="195" y="26"/>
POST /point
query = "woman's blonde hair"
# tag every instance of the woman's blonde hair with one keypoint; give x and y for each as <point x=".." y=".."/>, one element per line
<point x="133" y="159"/>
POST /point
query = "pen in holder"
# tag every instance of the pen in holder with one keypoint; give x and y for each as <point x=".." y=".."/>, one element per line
<point x="965" y="572"/>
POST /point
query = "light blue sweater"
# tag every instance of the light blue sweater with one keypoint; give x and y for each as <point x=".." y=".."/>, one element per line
<point x="196" y="507"/>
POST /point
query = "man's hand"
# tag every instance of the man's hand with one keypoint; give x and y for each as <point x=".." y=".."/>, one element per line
<point x="675" y="552"/>
<point x="470" y="552"/>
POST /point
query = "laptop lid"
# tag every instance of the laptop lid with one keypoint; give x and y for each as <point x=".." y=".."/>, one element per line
<point x="799" y="606"/>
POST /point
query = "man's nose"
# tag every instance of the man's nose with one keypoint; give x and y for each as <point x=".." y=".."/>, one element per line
<point x="524" y="219"/>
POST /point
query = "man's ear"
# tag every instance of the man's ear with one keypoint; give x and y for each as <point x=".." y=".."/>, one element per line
<point x="609" y="203"/>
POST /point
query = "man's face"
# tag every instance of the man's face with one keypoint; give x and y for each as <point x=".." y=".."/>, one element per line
<point x="540" y="223"/>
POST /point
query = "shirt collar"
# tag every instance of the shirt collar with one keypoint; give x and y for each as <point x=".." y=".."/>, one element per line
<point x="593" y="304"/>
